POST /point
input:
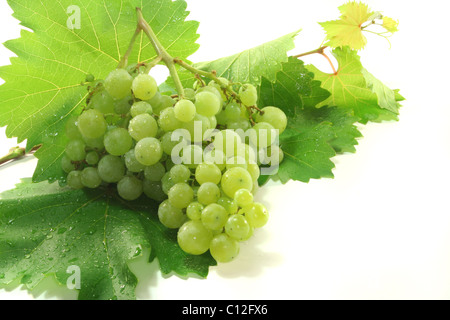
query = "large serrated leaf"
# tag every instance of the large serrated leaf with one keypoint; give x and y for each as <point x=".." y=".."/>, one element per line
<point x="350" y="89"/>
<point x="248" y="66"/>
<point x="294" y="88"/>
<point x="42" y="85"/>
<point x="314" y="135"/>
<point x="45" y="229"/>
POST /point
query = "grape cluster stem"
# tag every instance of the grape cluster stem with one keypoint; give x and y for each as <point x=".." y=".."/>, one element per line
<point x="168" y="60"/>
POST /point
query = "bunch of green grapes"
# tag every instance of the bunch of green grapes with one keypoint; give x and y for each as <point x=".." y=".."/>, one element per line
<point x="204" y="179"/>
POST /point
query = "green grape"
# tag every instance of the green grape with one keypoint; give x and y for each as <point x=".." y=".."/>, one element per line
<point x="224" y="248"/>
<point x="111" y="168"/>
<point x="72" y="131"/>
<point x="274" y="116"/>
<point x="167" y="183"/>
<point x="208" y="172"/>
<point x="221" y="118"/>
<point x="170" y="216"/>
<point x="192" y="155"/>
<point x="169" y="164"/>
<point x="208" y="193"/>
<point x="241" y="123"/>
<point x="257" y="215"/>
<point x="248" y="95"/>
<point x="90" y="178"/>
<point x="164" y="156"/>
<point x="249" y="235"/>
<point x="153" y="190"/>
<point x="118" y="141"/>
<point x="155" y="172"/>
<point x="189" y="93"/>
<point x="167" y="120"/>
<point x="92" y="158"/>
<point x="97" y="143"/>
<point x="262" y="135"/>
<point x="194" y="238"/>
<point x="197" y="128"/>
<point x="140" y="108"/>
<point x="234" y="179"/>
<point x="273" y="155"/>
<point x="194" y="210"/>
<point x="143" y="126"/>
<point x="224" y="82"/>
<point x="118" y="83"/>
<point x="237" y="227"/>
<point x="212" y="90"/>
<point x="123" y="106"/>
<point x="66" y="164"/>
<point x="236" y="161"/>
<point x="131" y="162"/>
<point x="207" y="103"/>
<point x="217" y="157"/>
<point x="229" y="204"/>
<point x="254" y="171"/>
<point x="76" y="150"/>
<point x="227" y="141"/>
<point x="92" y="124"/>
<point x="243" y="197"/>
<point x="144" y="87"/>
<point x="233" y="111"/>
<point x="74" y="180"/>
<point x="214" y="217"/>
<point x="148" y="151"/>
<point x="130" y="188"/>
<point x="168" y="145"/>
<point x="212" y="122"/>
<point x="121" y="122"/>
<point x="166" y="102"/>
<point x="245" y="112"/>
<point x="180" y="173"/>
<point x="102" y="101"/>
<point x="156" y="101"/>
<point x="247" y="152"/>
<point x="184" y="110"/>
<point x="181" y="195"/>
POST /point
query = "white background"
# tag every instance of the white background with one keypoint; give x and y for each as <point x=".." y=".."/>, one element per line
<point x="381" y="228"/>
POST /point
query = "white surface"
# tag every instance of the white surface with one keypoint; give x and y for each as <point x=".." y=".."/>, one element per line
<point x="381" y="228"/>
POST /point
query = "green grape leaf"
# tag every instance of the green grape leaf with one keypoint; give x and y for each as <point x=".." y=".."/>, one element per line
<point x="347" y="30"/>
<point x="293" y="89"/>
<point x="345" y="133"/>
<point x="353" y="88"/>
<point x="296" y="92"/>
<point x="250" y="65"/>
<point x="390" y="24"/>
<point x="314" y="135"/>
<point x="42" y="84"/>
<point x="312" y="138"/>
<point x="386" y="96"/>
<point x="45" y="230"/>
<point x="356" y="18"/>
<point x="307" y="152"/>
